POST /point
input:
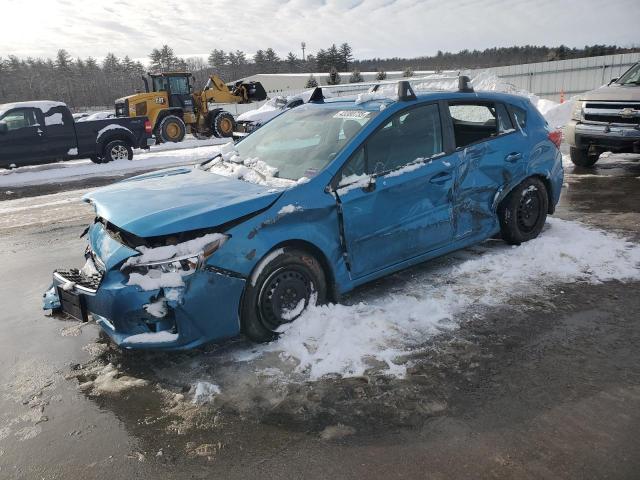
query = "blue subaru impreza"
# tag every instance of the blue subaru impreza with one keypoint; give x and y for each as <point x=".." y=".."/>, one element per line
<point x="325" y="197"/>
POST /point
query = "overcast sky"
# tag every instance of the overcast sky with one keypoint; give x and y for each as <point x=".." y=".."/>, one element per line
<point x="374" y="28"/>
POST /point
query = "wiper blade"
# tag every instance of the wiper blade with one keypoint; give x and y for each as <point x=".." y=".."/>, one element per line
<point x="211" y="159"/>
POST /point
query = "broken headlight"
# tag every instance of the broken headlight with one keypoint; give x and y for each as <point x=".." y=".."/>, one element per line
<point x="173" y="258"/>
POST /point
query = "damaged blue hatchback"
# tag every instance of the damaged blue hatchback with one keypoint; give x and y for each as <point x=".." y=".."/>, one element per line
<point x="321" y="199"/>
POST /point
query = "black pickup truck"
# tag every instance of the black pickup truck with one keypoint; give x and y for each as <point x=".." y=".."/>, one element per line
<point x="45" y="131"/>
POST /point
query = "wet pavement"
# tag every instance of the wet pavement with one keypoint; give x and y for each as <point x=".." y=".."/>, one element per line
<point x="545" y="388"/>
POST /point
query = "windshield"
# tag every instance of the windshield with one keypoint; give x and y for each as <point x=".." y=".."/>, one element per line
<point x="632" y="76"/>
<point x="179" y="85"/>
<point x="302" y="141"/>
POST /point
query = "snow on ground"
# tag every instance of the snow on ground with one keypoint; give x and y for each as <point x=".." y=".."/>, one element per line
<point x="159" y="156"/>
<point x="348" y="339"/>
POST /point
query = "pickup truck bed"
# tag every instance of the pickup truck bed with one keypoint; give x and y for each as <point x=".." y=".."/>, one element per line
<point x="40" y="132"/>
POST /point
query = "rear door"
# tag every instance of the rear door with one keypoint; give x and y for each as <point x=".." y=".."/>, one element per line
<point x="395" y="193"/>
<point x="491" y="156"/>
<point x="60" y="133"/>
<point x="24" y="142"/>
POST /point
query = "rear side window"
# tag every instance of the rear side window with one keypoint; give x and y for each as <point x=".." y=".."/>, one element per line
<point x="476" y="122"/>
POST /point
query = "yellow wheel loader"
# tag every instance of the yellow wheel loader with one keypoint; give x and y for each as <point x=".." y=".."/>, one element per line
<point x="175" y="109"/>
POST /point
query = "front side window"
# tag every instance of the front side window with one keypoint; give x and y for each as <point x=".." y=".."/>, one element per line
<point x="21" y="118"/>
<point x="407" y="137"/>
<point x="475" y="122"/>
<point x="179" y="85"/>
<point x="631" y="77"/>
<point x="160" y="84"/>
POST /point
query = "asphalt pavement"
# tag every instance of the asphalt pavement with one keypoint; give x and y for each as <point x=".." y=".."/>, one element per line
<point x="548" y="388"/>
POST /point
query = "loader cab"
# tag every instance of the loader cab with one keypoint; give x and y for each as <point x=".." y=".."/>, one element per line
<point x="177" y="87"/>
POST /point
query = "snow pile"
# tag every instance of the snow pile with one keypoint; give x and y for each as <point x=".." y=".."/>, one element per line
<point x="288" y="209"/>
<point x="97" y="116"/>
<point x="155" y="279"/>
<point x="346" y="340"/>
<point x="160" y="156"/>
<point x="152" y="337"/>
<point x="108" y="380"/>
<point x="204" y="392"/>
<point x="272" y="108"/>
<point x="252" y="170"/>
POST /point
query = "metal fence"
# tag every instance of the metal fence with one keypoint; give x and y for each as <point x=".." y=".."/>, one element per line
<point x="550" y="79"/>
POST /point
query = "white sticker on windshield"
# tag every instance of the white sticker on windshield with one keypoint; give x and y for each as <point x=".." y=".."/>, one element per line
<point x="353" y="114"/>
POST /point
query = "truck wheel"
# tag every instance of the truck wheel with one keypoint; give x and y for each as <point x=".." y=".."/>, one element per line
<point x="116" y="150"/>
<point x="172" y="129"/>
<point x="582" y="158"/>
<point x="523" y="212"/>
<point x="282" y="289"/>
<point x="223" y="125"/>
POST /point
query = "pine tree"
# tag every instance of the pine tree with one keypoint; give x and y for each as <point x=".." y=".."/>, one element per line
<point x="345" y="55"/>
<point x="407" y="72"/>
<point x="292" y="62"/>
<point x="381" y="75"/>
<point x="355" y="77"/>
<point x="311" y="82"/>
<point x="217" y="59"/>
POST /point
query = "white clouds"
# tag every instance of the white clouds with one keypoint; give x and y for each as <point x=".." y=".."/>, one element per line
<point x="373" y="27"/>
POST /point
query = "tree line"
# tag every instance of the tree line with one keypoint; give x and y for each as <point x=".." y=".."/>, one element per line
<point x="83" y="83"/>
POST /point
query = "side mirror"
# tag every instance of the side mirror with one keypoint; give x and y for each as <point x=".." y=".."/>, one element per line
<point x="612" y="80"/>
<point x="4" y="128"/>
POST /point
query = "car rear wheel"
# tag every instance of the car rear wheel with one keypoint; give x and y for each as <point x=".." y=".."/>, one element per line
<point x="116" y="150"/>
<point x="582" y="158"/>
<point x="223" y="125"/>
<point x="280" y="290"/>
<point x="523" y="212"/>
<point x="171" y="129"/>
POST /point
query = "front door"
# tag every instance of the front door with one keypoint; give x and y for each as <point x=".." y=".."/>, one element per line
<point x="23" y="142"/>
<point x="395" y="193"/>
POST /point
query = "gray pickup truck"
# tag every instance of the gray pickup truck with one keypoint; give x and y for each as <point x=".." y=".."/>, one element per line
<point x="606" y="119"/>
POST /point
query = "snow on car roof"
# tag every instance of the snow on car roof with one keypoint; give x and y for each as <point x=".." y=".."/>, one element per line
<point x="44" y="105"/>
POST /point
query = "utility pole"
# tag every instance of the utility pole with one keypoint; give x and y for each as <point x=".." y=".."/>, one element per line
<point x="303" y="45"/>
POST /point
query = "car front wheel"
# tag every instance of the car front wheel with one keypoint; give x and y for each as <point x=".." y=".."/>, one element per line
<point x="523" y="212"/>
<point x="281" y="288"/>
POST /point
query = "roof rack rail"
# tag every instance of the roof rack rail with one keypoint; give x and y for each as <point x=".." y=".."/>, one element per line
<point x="464" y="84"/>
<point x="405" y="92"/>
<point x="316" y="96"/>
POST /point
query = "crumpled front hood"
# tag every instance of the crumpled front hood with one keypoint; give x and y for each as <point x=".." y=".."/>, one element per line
<point x="613" y="93"/>
<point x="178" y="200"/>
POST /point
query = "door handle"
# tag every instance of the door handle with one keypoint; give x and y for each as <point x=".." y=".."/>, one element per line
<point x="440" y="177"/>
<point x="513" y="157"/>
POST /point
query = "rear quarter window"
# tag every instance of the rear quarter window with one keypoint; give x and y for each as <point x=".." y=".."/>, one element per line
<point x="519" y="116"/>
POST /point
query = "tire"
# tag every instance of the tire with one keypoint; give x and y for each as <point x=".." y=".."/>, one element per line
<point x="223" y="125"/>
<point x="293" y="274"/>
<point x="523" y="212"/>
<point x="582" y="158"/>
<point x="171" y="129"/>
<point x="116" y="150"/>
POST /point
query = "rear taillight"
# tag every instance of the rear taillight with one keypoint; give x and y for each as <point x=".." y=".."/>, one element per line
<point x="147" y="126"/>
<point x="556" y="137"/>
